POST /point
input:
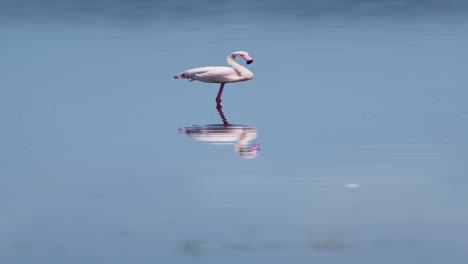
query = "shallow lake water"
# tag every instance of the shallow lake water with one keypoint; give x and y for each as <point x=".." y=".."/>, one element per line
<point x="350" y="145"/>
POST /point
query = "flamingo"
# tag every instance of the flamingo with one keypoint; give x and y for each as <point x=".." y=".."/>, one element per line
<point x="221" y="74"/>
<point x="238" y="135"/>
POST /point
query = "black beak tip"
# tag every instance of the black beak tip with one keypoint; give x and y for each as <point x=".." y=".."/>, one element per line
<point x="250" y="61"/>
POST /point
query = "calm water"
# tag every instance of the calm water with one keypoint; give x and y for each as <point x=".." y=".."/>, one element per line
<point x="350" y="145"/>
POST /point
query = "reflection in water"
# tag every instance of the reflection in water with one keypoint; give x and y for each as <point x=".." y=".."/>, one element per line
<point x="225" y="133"/>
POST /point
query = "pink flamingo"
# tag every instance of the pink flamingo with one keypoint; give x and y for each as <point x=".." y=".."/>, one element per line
<point x="220" y="74"/>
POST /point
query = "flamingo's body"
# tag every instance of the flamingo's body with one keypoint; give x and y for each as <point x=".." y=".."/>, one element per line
<point x="221" y="74"/>
<point x="238" y="135"/>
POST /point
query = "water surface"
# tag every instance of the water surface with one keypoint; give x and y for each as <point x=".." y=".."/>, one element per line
<point x="359" y="109"/>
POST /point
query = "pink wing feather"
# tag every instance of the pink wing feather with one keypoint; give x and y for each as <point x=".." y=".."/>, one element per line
<point x="211" y="75"/>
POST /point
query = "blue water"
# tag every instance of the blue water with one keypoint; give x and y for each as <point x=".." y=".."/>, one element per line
<point x="359" y="110"/>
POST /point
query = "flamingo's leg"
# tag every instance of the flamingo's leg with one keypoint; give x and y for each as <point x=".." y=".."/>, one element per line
<point x="220" y="92"/>
<point x="219" y="107"/>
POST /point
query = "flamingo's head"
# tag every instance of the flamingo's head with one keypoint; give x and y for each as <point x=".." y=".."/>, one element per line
<point x="244" y="55"/>
<point x="250" y="153"/>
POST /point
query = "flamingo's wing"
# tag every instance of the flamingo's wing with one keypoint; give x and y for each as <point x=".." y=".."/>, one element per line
<point x="212" y="74"/>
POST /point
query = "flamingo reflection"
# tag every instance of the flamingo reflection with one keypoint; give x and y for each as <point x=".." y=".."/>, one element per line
<point x="238" y="135"/>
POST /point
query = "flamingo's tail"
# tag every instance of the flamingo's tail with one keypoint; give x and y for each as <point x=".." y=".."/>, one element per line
<point x="180" y="76"/>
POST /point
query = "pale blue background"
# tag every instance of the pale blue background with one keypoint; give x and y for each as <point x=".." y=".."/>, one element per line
<point x="374" y="93"/>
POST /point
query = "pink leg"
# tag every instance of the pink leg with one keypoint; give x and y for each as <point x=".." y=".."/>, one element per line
<point x="220" y="92"/>
<point x="219" y="107"/>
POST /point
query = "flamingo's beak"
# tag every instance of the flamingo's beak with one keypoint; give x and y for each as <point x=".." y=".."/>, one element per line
<point x="247" y="58"/>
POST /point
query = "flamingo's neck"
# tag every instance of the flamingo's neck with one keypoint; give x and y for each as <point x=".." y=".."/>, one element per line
<point x="241" y="70"/>
<point x="247" y="135"/>
<point x="243" y="145"/>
